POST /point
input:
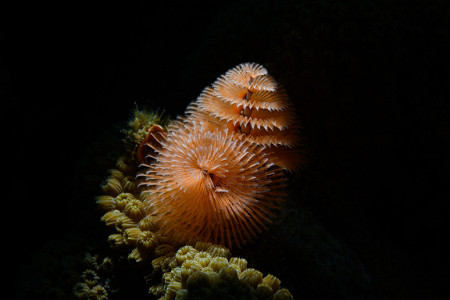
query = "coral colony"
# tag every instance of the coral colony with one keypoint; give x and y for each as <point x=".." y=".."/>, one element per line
<point x="178" y="195"/>
<point x="206" y="181"/>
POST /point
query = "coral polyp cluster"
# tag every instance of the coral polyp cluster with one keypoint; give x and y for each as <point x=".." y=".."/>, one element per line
<point x="199" y="182"/>
<point x="215" y="175"/>
<point x="125" y="216"/>
<point x="249" y="102"/>
<point x="212" y="186"/>
<point x="121" y="202"/>
<point x="207" y="271"/>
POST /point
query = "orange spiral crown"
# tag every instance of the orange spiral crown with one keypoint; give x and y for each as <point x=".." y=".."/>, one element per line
<point x="249" y="102"/>
<point x="212" y="186"/>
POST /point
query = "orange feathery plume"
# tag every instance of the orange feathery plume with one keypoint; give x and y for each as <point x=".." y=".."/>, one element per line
<point x="212" y="185"/>
<point x="249" y="102"/>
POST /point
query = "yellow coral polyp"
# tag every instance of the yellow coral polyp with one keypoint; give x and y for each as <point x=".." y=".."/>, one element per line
<point x="88" y="260"/>
<point x="251" y="277"/>
<point x="202" y="246"/>
<point x="156" y="263"/>
<point x="210" y="272"/>
<point x="204" y="258"/>
<point x="167" y="278"/>
<point x="282" y="294"/>
<point x="228" y="273"/>
<point x="187" y="269"/>
<point x="126" y="165"/>
<point x="185" y="253"/>
<point x="81" y="291"/>
<point x="90" y="277"/>
<point x="135" y="210"/>
<point x="219" y="251"/>
<point x="172" y="290"/>
<point x="156" y="290"/>
<point x="241" y="263"/>
<point x="108" y="264"/>
<point x="168" y="264"/>
<point x="272" y="281"/>
<point x="217" y="263"/>
<point x="123" y="199"/>
<point x="124" y="222"/>
<point x="131" y="236"/>
<point x="148" y="241"/>
<point x="129" y="184"/>
<point x="149" y="224"/>
<point x="176" y="274"/>
<point x="263" y="291"/>
<point x="99" y="292"/>
<point x="105" y="203"/>
<point x="138" y="256"/>
<point x="116" y="241"/>
<point x="110" y="218"/>
<point x="111" y="186"/>
<point x="115" y="174"/>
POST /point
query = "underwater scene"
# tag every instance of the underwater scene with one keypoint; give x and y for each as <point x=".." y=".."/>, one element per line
<point x="244" y="150"/>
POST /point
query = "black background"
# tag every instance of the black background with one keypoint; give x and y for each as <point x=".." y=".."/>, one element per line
<point x="68" y="74"/>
